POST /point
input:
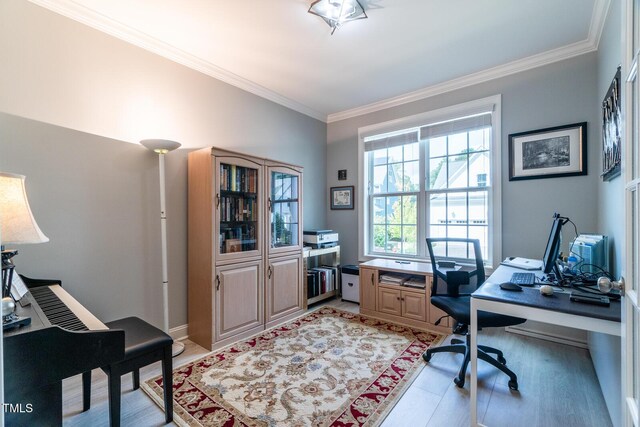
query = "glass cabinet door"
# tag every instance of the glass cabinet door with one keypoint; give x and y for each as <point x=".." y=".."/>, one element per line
<point x="238" y="204"/>
<point x="284" y="209"/>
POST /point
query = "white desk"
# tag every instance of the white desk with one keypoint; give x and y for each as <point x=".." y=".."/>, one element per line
<point x="531" y="305"/>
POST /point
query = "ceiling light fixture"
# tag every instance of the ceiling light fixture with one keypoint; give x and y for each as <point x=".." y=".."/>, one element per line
<point x="337" y="12"/>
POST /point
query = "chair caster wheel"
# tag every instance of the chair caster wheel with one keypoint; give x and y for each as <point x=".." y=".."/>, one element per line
<point x="502" y="360"/>
<point x="460" y="382"/>
<point x="513" y="385"/>
<point x="426" y="356"/>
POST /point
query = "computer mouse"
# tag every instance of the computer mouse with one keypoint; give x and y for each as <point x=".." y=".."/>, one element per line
<point x="508" y="286"/>
<point x="546" y="290"/>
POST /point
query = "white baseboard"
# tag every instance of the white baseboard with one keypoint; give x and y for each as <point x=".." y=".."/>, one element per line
<point x="554" y="336"/>
<point x="179" y="332"/>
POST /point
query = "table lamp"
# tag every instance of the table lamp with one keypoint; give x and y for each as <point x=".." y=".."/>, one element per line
<point x="162" y="147"/>
<point x="17" y="226"/>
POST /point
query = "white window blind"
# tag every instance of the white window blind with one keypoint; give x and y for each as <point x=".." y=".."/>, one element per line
<point x="377" y="143"/>
<point x="465" y="124"/>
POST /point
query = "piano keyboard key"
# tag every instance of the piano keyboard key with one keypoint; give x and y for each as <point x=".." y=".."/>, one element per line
<point x="55" y="310"/>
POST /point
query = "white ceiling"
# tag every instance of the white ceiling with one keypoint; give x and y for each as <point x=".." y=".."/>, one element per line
<point x="406" y="50"/>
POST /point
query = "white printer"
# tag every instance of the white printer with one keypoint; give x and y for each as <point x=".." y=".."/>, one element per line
<point x="320" y="238"/>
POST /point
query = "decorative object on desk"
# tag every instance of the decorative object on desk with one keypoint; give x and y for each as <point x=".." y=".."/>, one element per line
<point x="162" y="147"/>
<point x="546" y="290"/>
<point x="342" y="197"/>
<point x="522" y="263"/>
<point x="548" y="153"/>
<point x="17" y="226"/>
<point x="342" y="175"/>
<point x="337" y="12"/>
<point x="281" y="376"/>
<point x="611" y="131"/>
<point x="605" y="285"/>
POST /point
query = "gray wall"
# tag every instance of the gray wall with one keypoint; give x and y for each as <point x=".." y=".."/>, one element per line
<point x="72" y="102"/>
<point x="557" y="94"/>
<point x="605" y="349"/>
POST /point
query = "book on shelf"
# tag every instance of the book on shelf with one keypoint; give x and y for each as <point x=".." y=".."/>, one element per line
<point x="415" y="282"/>
<point x="312" y="284"/>
<point x="238" y="178"/>
<point x="326" y="278"/>
<point x="333" y="282"/>
<point x="394" y="278"/>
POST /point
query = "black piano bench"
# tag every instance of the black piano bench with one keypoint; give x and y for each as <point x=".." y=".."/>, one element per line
<point x="143" y="344"/>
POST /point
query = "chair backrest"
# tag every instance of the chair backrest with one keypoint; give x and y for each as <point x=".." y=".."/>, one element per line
<point x="459" y="280"/>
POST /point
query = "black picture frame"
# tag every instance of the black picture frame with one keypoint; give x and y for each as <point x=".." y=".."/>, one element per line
<point x="612" y="131"/>
<point x="548" y="153"/>
<point x="341" y="197"/>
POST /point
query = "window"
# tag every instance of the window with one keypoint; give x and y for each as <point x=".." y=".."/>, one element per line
<point x="396" y="186"/>
<point x="430" y="175"/>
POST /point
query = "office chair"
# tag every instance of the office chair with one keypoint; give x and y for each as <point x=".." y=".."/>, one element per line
<point x="450" y="291"/>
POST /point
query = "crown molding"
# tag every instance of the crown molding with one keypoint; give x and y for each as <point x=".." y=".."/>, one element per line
<point x="100" y="22"/>
<point x="82" y="14"/>
<point x="598" y="17"/>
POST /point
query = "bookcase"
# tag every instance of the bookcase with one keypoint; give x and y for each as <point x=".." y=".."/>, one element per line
<point x="244" y="252"/>
<point x="321" y="260"/>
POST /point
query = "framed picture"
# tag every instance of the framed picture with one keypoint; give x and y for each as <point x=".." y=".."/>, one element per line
<point x="548" y="153"/>
<point x="611" y="130"/>
<point x="234" y="245"/>
<point x="342" y="197"/>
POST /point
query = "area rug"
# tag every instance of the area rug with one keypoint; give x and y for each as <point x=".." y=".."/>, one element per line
<point x="327" y="368"/>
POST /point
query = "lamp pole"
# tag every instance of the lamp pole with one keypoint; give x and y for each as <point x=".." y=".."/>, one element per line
<point x="162" y="147"/>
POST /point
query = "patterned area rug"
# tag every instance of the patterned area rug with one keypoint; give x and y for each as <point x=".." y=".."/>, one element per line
<point x="327" y="368"/>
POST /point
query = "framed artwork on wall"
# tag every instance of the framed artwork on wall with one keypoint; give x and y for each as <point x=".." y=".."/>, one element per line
<point x="611" y="131"/>
<point x="341" y="197"/>
<point x="548" y="153"/>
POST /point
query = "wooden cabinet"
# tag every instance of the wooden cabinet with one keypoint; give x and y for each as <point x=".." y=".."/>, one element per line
<point x="237" y="283"/>
<point x="400" y="302"/>
<point x="384" y="298"/>
<point x="414" y="305"/>
<point x="389" y="301"/>
<point x="244" y="249"/>
<point x="368" y="288"/>
<point x="284" y="290"/>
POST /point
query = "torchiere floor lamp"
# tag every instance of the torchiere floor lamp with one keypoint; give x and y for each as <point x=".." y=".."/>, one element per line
<point x="162" y="147"/>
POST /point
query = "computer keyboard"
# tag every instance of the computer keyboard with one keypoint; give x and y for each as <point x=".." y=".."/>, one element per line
<point x="523" y="279"/>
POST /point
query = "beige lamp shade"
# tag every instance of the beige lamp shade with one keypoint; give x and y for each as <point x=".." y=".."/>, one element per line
<point x="17" y="224"/>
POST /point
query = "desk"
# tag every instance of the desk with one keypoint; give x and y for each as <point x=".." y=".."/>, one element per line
<point x="530" y="304"/>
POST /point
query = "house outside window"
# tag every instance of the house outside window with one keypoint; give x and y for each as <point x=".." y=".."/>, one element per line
<point x="433" y="179"/>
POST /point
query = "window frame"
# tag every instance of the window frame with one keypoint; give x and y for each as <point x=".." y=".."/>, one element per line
<point x="490" y="104"/>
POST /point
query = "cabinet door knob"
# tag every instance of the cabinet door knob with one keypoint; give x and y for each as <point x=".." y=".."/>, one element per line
<point x="217" y="282"/>
<point x="269" y="271"/>
<point x="269" y="204"/>
<point x="398" y="298"/>
<point x="372" y="283"/>
<point x="217" y="200"/>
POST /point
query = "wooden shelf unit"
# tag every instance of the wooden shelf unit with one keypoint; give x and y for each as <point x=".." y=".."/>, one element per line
<point x="245" y="245"/>
<point x="392" y="301"/>
<point x="318" y="257"/>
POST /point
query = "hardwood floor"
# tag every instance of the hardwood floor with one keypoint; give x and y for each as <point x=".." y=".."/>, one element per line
<point x="558" y="387"/>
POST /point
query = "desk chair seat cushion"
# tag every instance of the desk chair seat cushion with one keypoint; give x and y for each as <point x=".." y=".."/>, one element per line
<point x="140" y="337"/>
<point x="459" y="309"/>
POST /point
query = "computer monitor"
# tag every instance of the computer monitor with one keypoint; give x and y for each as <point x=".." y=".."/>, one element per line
<point x="552" y="251"/>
